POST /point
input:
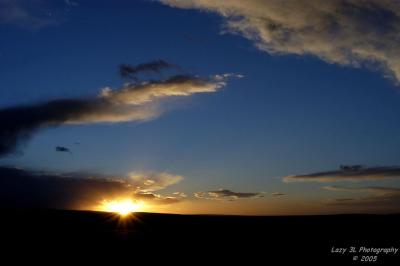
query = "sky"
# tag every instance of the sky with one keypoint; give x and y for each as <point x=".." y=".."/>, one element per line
<point x="200" y="106"/>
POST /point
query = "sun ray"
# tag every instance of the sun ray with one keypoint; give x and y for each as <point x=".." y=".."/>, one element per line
<point x="122" y="207"/>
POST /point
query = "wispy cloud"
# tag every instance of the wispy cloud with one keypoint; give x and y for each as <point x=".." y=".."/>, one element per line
<point x="147" y="181"/>
<point x="32" y="14"/>
<point x="371" y="190"/>
<point x="359" y="174"/>
<point x="131" y="102"/>
<point x="226" y="194"/>
<point x="344" y="32"/>
<point x="383" y="197"/>
<point x="28" y="188"/>
<point x="71" y="3"/>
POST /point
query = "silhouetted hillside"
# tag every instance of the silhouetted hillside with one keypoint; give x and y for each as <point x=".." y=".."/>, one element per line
<point x="294" y="238"/>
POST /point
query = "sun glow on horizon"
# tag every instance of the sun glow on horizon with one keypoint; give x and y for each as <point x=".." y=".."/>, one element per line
<point x="122" y="207"/>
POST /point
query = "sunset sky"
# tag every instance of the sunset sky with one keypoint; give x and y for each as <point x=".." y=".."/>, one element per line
<point x="230" y="106"/>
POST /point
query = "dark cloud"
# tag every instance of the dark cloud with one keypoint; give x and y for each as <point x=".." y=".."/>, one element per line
<point x="24" y="188"/>
<point x="277" y="194"/>
<point x="345" y="32"/>
<point x="132" y="102"/>
<point x="156" y="66"/>
<point x="19" y="123"/>
<point x="63" y="149"/>
<point x="348" y="173"/>
<point x="226" y="194"/>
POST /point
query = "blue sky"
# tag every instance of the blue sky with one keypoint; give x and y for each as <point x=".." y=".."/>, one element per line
<point x="290" y="114"/>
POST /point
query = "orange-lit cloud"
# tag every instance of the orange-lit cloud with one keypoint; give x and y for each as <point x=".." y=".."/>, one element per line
<point x="147" y="181"/>
<point x="138" y="94"/>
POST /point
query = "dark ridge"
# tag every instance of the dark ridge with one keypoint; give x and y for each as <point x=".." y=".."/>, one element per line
<point x="286" y="238"/>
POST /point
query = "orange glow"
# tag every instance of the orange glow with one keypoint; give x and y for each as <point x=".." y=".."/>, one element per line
<point x="122" y="207"/>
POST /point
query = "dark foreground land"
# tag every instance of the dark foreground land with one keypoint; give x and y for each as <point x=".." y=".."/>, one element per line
<point x="36" y="234"/>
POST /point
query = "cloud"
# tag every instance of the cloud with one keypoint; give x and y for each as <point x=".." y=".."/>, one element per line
<point x="377" y="196"/>
<point x="158" y="199"/>
<point x="138" y="94"/>
<point x="156" y="66"/>
<point x="277" y="194"/>
<point x="226" y="194"/>
<point x="146" y="183"/>
<point x="71" y="3"/>
<point x="368" y="173"/>
<point x="26" y="188"/>
<point x="26" y="14"/>
<point x="152" y="181"/>
<point x="345" y="32"/>
<point x="132" y="102"/>
<point x="371" y="190"/>
<point x="63" y="149"/>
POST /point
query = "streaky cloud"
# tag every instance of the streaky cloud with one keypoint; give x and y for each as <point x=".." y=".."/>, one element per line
<point x="226" y="194"/>
<point x="371" y="190"/>
<point x="179" y="85"/>
<point x="359" y="174"/>
<point x="132" y="102"/>
<point x="384" y="198"/>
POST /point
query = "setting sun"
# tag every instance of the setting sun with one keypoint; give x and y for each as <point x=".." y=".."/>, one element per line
<point x="122" y="207"/>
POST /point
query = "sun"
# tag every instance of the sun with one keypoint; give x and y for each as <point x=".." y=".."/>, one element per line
<point x="121" y="207"/>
